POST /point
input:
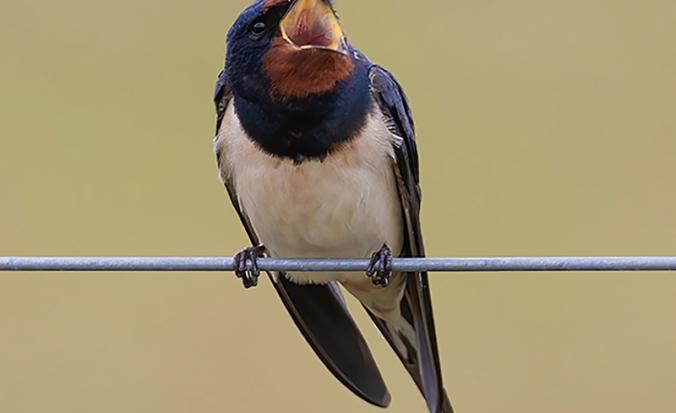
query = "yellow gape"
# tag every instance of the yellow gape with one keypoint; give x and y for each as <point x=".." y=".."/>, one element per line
<point x="311" y="24"/>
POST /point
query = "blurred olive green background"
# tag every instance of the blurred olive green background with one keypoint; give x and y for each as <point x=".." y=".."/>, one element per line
<point x="545" y="128"/>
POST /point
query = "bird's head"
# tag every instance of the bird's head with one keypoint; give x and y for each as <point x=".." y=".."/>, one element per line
<point x="284" y="50"/>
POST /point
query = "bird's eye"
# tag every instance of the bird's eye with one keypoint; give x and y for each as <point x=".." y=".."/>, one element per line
<point x="257" y="29"/>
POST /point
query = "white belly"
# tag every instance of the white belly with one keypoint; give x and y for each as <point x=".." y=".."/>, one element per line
<point x="344" y="207"/>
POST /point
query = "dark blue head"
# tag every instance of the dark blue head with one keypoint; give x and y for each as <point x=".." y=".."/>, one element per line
<point x="299" y="90"/>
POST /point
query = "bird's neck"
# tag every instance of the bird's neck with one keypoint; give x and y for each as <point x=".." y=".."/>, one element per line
<point x="310" y="128"/>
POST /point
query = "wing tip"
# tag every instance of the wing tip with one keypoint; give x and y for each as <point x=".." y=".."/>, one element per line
<point x="311" y="308"/>
<point x="382" y="401"/>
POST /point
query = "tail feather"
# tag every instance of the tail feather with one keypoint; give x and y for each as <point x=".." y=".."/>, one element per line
<point x="446" y="404"/>
<point x="413" y="339"/>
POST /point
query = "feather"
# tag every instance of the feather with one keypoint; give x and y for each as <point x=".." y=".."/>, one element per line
<point x="412" y="337"/>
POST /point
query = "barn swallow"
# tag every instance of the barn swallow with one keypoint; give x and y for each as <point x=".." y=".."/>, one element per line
<point x="316" y="147"/>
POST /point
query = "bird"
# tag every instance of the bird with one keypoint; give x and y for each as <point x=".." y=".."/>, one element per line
<point x="316" y="147"/>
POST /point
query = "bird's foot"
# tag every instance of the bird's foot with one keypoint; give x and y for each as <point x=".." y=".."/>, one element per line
<point x="380" y="267"/>
<point x="246" y="265"/>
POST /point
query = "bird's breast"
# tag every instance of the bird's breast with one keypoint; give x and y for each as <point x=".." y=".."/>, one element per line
<point x="345" y="206"/>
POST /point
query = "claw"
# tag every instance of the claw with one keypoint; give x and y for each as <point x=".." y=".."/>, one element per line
<point x="246" y="265"/>
<point x="380" y="267"/>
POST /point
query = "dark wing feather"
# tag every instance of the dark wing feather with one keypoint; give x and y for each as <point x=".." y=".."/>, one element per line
<point x="421" y="358"/>
<point x="318" y="311"/>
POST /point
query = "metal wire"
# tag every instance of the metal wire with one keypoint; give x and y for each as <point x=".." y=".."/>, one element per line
<point x="492" y="264"/>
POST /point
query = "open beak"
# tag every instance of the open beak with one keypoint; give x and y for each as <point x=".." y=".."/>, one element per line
<point x="312" y="24"/>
